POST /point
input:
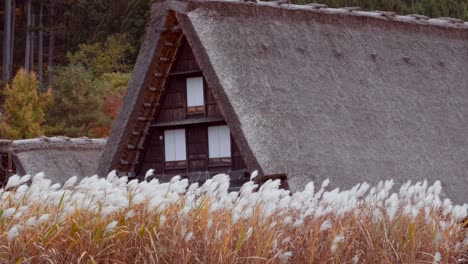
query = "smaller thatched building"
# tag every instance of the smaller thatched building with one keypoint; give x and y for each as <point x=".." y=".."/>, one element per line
<point x="58" y="157"/>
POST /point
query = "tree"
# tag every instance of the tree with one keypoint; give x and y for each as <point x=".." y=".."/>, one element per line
<point x="23" y="108"/>
<point x="136" y="21"/>
<point x="113" y="87"/>
<point x="40" y="53"/>
<point x="12" y="43"/>
<point x="95" y="80"/>
<point x="109" y="56"/>
<point x="7" y="41"/>
<point x="76" y="108"/>
<point x="50" y="54"/>
<point x="27" y="52"/>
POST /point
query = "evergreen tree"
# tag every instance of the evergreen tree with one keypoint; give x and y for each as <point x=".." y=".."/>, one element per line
<point x="107" y="57"/>
<point x="76" y="108"/>
<point x="23" y="107"/>
<point x="113" y="86"/>
<point x="88" y="92"/>
<point x="135" y="21"/>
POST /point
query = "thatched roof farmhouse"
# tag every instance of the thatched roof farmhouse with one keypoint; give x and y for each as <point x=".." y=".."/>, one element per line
<point x="308" y="91"/>
<point x="58" y="157"/>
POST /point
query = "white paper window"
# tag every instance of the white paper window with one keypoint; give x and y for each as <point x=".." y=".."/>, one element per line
<point x="174" y="144"/>
<point x="219" y="142"/>
<point x="195" y="92"/>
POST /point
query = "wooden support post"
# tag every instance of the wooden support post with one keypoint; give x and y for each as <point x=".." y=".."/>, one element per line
<point x="10" y="166"/>
<point x="282" y="177"/>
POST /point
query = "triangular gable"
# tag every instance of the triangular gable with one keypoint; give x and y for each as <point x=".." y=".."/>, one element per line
<point x="173" y="113"/>
<point x="139" y="147"/>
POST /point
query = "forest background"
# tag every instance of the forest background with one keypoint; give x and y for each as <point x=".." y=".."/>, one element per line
<point x="66" y="63"/>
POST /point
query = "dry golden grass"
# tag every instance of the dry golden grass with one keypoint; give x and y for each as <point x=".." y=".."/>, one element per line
<point x="177" y="233"/>
<point x="206" y="237"/>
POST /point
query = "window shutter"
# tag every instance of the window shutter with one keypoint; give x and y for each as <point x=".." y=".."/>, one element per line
<point x="219" y="142"/>
<point x="224" y="142"/>
<point x="180" y="145"/>
<point x="174" y="145"/>
<point x="169" y="145"/>
<point x="195" y="95"/>
<point x="213" y="142"/>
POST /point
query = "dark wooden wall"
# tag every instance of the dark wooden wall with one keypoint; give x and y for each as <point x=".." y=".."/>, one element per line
<point x="197" y="148"/>
<point x="153" y="157"/>
<point x="185" y="60"/>
<point x="7" y="167"/>
<point x="174" y="108"/>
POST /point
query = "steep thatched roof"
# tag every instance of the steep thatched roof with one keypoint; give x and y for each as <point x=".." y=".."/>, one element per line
<point x="58" y="157"/>
<point x="327" y="93"/>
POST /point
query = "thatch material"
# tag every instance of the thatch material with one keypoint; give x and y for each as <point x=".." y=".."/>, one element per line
<point x="328" y="93"/>
<point x="58" y="157"/>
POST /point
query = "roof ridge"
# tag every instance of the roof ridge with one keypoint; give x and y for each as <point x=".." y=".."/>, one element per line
<point x="58" y="142"/>
<point x="59" y="139"/>
<point x="353" y="11"/>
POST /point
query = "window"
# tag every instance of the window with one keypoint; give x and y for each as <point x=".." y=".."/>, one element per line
<point x="195" y="92"/>
<point x="219" y="142"/>
<point x="174" y="145"/>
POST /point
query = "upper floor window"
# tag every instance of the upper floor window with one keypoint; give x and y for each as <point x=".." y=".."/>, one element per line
<point x="174" y="145"/>
<point x="195" y="95"/>
<point x="219" y="142"/>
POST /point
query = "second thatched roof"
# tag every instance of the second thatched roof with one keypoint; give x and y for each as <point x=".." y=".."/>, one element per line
<point x="58" y="157"/>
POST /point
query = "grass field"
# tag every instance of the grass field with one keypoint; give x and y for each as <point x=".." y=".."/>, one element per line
<point x="111" y="220"/>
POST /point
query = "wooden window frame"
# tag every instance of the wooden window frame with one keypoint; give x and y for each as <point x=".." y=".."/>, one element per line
<point x="172" y="165"/>
<point x="219" y="162"/>
<point x="194" y="110"/>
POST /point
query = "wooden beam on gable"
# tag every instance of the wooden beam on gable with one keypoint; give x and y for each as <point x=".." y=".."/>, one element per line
<point x="170" y="38"/>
